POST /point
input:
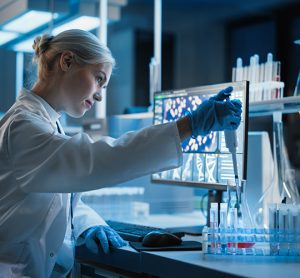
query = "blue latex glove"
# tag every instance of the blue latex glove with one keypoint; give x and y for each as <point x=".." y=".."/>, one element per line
<point x="102" y="237"/>
<point x="216" y="114"/>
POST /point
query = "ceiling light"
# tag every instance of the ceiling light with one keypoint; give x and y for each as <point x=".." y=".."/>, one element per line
<point x="297" y="42"/>
<point x="29" y="21"/>
<point x="6" y="37"/>
<point x="86" y="23"/>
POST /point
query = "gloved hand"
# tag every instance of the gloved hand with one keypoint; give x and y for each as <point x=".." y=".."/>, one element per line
<point x="216" y="114"/>
<point x="102" y="236"/>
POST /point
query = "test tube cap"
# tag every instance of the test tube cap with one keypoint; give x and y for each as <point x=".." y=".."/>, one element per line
<point x="214" y="205"/>
<point x="223" y="206"/>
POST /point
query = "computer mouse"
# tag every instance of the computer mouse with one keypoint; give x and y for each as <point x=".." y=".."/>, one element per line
<point x="160" y="239"/>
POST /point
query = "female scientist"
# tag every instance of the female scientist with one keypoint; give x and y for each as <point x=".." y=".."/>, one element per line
<point x="40" y="223"/>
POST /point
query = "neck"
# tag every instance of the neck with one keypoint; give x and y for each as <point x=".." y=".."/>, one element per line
<point x="48" y="93"/>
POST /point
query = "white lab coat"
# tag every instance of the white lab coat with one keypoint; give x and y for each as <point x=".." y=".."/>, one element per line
<point x="38" y="166"/>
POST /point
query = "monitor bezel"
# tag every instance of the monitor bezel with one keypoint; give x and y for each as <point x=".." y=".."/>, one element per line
<point x="245" y="113"/>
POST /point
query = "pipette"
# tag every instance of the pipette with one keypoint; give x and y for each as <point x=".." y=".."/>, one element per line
<point x="232" y="144"/>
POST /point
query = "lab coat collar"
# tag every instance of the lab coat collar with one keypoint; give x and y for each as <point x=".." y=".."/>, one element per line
<point x="54" y="116"/>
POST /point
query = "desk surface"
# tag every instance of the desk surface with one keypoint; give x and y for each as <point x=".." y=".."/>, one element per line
<point x="192" y="264"/>
<point x="195" y="263"/>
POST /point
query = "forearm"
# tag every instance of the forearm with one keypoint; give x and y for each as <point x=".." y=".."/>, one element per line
<point x="81" y="165"/>
<point x="184" y="128"/>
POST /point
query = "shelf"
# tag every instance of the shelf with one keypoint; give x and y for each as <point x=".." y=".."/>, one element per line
<point x="285" y="105"/>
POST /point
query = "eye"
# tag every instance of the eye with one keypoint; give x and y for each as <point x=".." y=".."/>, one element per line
<point x="99" y="80"/>
<point x="97" y="96"/>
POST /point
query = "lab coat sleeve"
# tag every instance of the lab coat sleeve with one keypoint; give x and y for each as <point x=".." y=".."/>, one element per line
<point x="49" y="162"/>
<point x="84" y="218"/>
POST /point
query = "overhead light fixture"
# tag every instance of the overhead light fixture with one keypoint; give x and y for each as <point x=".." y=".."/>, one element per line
<point x="297" y="42"/>
<point x="29" y="21"/>
<point x="86" y="23"/>
<point x="24" y="46"/>
<point x="7" y="36"/>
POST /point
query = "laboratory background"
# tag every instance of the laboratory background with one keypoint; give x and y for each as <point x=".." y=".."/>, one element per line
<point x="186" y="49"/>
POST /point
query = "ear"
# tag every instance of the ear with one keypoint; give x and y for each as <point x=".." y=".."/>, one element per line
<point x="66" y="60"/>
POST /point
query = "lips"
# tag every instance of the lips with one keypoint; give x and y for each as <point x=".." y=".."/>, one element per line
<point x="88" y="103"/>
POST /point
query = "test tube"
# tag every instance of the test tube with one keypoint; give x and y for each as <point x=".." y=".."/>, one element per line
<point x="233" y="223"/>
<point x="223" y="216"/>
<point x="268" y="67"/>
<point x="261" y="80"/>
<point x="251" y="70"/>
<point x="294" y="244"/>
<point x="276" y="71"/>
<point x="231" y="193"/>
<point x="251" y="79"/>
<point x="268" y="75"/>
<point x="239" y="69"/>
<point x="245" y="73"/>
<point x="297" y="225"/>
<point x="273" y="228"/>
<point x="283" y="218"/>
<point x="283" y="229"/>
<point x="205" y="242"/>
<point x="213" y="216"/>
<point x="258" y="95"/>
<point x="223" y="228"/>
<point x="276" y="77"/>
<point x="233" y="220"/>
<point x="233" y="74"/>
<point x="273" y="217"/>
<point x="297" y="229"/>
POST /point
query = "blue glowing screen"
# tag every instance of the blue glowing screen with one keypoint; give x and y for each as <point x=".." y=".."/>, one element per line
<point x="206" y="160"/>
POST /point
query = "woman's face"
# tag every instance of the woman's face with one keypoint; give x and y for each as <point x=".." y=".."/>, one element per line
<point x="80" y="85"/>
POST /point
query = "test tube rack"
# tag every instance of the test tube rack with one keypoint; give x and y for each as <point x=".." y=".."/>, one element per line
<point x="251" y="242"/>
<point x="264" y="78"/>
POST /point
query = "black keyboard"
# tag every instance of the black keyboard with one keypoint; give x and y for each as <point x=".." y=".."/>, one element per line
<point x="135" y="232"/>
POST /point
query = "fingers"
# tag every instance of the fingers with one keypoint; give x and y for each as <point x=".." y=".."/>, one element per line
<point x="118" y="241"/>
<point x="226" y="108"/>
<point x="90" y="242"/>
<point x="101" y="235"/>
<point x="233" y="123"/>
<point x="226" y="92"/>
<point x="237" y="103"/>
<point x="234" y="105"/>
<point x="231" y="113"/>
<point x="222" y="95"/>
<point x="114" y="238"/>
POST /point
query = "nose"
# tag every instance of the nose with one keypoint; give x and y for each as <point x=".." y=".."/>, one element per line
<point x="97" y="96"/>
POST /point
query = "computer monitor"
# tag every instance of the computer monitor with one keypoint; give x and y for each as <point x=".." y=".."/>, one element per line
<point x="207" y="163"/>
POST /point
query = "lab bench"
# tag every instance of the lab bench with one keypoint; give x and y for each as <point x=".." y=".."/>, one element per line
<point x="127" y="262"/>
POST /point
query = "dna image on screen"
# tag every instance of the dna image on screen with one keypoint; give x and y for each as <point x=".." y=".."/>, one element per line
<point x="177" y="107"/>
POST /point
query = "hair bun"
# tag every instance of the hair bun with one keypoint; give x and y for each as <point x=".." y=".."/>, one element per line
<point x="41" y="44"/>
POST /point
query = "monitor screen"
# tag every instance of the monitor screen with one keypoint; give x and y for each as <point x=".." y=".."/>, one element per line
<point x="207" y="162"/>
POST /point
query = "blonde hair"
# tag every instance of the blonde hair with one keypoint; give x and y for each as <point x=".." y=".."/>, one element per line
<point x="85" y="46"/>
